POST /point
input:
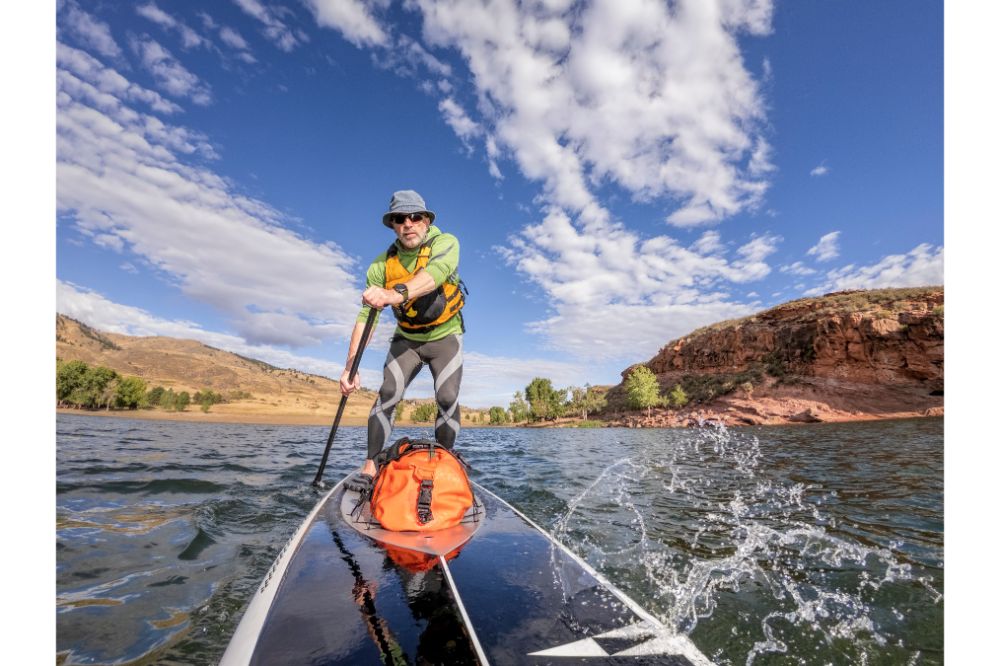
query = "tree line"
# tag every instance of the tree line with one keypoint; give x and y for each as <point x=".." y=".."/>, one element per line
<point x="541" y="401"/>
<point x="99" y="387"/>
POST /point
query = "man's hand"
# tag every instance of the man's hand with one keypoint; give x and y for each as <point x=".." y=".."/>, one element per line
<point x="346" y="386"/>
<point x="377" y="297"/>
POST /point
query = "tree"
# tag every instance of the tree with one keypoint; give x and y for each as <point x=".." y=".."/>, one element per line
<point x="154" y="396"/>
<point x="399" y="411"/>
<point x="677" y="397"/>
<point x="518" y="408"/>
<point x="168" y="400"/>
<point x="206" y="399"/>
<point x="642" y="389"/>
<point x="424" y="413"/>
<point x="586" y="400"/>
<point x="130" y="393"/>
<point x="183" y="400"/>
<point x="109" y="394"/>
<point x="545" y="401"/>
<point x="576" y="396"/>
<point x="498" y="416"/>
<point x="593" y="400"/>
<point x="90" y="391"/>
<point x="69" y="377"/>
<point x="597" y="399"/>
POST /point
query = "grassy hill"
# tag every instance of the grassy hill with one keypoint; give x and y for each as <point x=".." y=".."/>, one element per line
<point x="281" y="394"/>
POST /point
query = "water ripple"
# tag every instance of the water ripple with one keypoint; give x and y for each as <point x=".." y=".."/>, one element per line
<point x="814" y="544"/>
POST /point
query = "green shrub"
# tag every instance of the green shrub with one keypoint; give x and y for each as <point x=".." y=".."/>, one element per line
<point x="424" y="413"/>
<point x="499" y="416"/>
<point x="678" y="398"/>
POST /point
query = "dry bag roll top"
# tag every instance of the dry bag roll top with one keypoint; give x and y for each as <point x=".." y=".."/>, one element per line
<point x="420" y="486"/>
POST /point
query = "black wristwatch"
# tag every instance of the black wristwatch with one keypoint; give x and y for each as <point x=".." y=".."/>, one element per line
<point x="403" y="291"/>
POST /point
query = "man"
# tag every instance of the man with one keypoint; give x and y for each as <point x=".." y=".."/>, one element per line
<point x="418" y="277"/>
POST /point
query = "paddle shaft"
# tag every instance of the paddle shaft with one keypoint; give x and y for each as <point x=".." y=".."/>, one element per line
<point x="318" y="481"/>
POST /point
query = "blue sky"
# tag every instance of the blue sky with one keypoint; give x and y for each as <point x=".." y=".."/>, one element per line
<point x="618" y="173"/>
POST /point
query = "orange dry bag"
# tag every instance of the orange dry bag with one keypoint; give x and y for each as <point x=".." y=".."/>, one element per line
<point x="420" y="486"/>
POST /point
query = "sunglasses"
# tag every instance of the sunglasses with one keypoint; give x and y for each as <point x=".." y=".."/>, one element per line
<point x="400" y="218"/>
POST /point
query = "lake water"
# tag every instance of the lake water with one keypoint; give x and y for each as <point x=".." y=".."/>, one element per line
<point x="814" y="544"/>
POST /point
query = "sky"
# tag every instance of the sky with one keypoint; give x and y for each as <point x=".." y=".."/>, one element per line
<point x="619" y="173"/>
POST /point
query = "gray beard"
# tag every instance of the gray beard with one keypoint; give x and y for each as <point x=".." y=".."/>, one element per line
<point x="416" y="242"/>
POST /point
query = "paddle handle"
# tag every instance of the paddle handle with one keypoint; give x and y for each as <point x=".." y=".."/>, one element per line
<point x="318" y="481"/>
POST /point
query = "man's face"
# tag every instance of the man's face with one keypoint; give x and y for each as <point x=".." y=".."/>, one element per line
<point x="410" y="232"/>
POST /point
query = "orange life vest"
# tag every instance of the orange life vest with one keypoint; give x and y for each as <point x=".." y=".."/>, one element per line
<point x="430" y="310"/>
<point x="420" y="486"/>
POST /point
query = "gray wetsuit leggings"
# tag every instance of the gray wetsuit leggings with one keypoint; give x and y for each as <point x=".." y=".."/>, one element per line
<point x="402" y="364"/>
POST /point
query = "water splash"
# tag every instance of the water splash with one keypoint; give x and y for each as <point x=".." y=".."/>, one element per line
<point x="763" y="549"/>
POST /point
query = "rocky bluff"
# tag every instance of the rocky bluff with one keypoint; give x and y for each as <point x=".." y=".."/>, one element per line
<point x="851" y="355"/>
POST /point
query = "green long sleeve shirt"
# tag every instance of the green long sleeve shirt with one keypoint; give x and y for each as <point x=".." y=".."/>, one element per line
<point x="442" y="265"/>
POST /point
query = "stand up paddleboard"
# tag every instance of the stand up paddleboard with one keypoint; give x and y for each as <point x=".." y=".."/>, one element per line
<point x="494" y="589"/>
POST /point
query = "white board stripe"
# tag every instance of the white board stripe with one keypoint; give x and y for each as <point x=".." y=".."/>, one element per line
<point x="244" y="640"/>
<point x="461" y="609"/>
<point x="587" y="647"/>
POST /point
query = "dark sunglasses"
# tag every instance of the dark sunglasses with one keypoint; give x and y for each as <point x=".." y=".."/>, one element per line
<point x="400" y="218"/>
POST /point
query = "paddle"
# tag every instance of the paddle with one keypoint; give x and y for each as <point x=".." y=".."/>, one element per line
<point x="318" y="481"/>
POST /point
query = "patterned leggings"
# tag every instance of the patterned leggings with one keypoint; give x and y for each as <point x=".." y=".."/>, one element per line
<point x="402" y="364"/>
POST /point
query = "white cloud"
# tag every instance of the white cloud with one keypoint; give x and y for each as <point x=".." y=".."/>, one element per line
<point x="615" y="295"/>
<point x="123" y="180"/>
<point x="464" y="127"/>
<point x="189" y="38"/>
<point x="90" y="31"/>
<point x="170" y="74"/>
<point x="232" y="38"/>
<point x="798" y="268"/>
<point x="708" y="243"/>
<point x="827" y="248"/>
<point x="274" y="28"/>
<point x="650" y="96"/>
<point x="405" y="56"/>
<point x="920" y="267"/>
<point x="820" y="170"/>
<point x="83" y="69"/>
<point x="352" y="18"/>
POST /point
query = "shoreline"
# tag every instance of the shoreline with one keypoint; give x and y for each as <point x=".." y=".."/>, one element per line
<point x="327" y="420"/>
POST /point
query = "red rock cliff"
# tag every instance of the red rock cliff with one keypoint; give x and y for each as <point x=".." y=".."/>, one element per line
<point x="844" y="356"/>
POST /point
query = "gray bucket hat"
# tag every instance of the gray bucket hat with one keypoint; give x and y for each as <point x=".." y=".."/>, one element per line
<point x="406" y="201"/>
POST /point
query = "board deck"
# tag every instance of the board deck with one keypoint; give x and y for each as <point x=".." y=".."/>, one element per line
<point x="509" y="594"/>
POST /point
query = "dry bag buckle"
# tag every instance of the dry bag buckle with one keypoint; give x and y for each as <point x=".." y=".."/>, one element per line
<point x="424" y="514"/>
